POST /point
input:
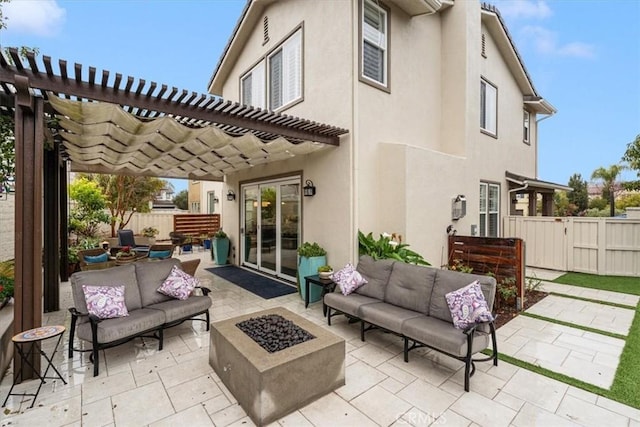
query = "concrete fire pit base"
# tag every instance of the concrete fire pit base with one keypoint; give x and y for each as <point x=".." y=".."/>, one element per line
<point x="267" y="385"/>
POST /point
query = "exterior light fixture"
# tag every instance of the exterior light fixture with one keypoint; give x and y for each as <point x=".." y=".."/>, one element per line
<point x="309" y="189"/>
<point x="231" y="196"/>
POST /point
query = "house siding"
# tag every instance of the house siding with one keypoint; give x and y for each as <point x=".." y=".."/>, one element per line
<point x="411" y="149"/>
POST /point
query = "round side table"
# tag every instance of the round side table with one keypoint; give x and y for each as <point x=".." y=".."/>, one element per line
<point x="31" y="340"/>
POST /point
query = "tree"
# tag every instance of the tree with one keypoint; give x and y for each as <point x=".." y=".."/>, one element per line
<point x="7" y="153"/>
<point x="608" y="176"/>
<point x="579" y="196"/>
<point x="628" y="201"/>
<point x="126" y="195"/>
<point x="632" y="159"/>
<point x="181" y="200"/>
<point x="88" y="213"/>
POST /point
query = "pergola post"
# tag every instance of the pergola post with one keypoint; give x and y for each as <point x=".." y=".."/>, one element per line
<point x="29" y="136"/>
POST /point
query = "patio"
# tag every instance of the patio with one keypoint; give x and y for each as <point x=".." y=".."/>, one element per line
<point x="141" y="386"/>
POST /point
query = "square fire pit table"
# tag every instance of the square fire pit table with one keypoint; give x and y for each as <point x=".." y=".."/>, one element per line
<point x="267" y="385"/>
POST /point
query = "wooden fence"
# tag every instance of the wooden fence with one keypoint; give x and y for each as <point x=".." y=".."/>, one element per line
<point x="503" y="258"/>
<point x="196" y="224"/>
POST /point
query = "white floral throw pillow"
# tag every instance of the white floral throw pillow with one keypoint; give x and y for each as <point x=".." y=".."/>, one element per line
<point x="468" y="306"/>
<point x="178" y="284"/>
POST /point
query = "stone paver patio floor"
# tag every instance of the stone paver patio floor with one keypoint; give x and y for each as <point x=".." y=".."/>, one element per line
<point x="139" y="385"/>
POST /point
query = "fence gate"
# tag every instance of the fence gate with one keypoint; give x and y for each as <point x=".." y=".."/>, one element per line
<point x="546" y="239"/>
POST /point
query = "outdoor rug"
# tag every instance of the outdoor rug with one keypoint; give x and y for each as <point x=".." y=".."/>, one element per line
<point x="262" y="286"/>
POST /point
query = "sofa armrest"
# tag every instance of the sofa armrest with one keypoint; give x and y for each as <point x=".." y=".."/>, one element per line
<point x="205" y="291"/>
<point x="74" y="312"/>
<point x="470" y="330"/>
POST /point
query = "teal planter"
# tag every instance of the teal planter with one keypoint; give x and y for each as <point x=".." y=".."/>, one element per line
<point x="309" y="267"/>
<point x="220" y="248"/>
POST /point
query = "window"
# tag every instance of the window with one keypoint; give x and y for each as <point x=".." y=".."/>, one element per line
<point x="280" y="72"/>
<point x="285" y="72"/>
<point x="525" y="127"/>
<point x="253" y="86"/>
<point x="488" y="107"/>
<point x="489" y="209"/>
<point x="195" y="207"/>
<point x="373" y="51"/>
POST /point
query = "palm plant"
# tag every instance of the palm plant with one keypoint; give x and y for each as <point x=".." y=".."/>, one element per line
<point x="608" y="176"/>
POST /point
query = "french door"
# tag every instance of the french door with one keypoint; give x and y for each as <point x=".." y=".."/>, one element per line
<point x="270" y="232"/>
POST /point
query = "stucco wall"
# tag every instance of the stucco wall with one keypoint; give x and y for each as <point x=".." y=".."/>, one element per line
<point x="7" y="227"/>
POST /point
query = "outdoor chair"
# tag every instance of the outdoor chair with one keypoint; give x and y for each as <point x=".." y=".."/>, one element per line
<point x="126" y="238"/>
<point x="95" y="259"/>
<point x="180" y="240"/>
<point x="160" y="251"/>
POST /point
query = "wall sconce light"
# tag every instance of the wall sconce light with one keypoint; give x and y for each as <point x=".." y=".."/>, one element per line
<point x="458" y="207"/>
<point x="309" y="189"/>
<point x="216" y="200"/>
<point x="231" y="196"/>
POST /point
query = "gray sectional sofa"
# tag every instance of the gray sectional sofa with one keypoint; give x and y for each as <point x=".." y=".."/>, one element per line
<point x="409" y="300"/>
<point x="150" y="312"/>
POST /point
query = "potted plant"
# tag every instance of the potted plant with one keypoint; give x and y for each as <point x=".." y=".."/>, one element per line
<point x="125" y="255"/>
<point x="220" y="247"/>
<point x="310" y="257"/>
<point x="325" y="271"/>
<point x="150" y="233"/>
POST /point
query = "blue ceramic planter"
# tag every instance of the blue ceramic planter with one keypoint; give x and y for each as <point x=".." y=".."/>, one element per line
<point x="309" y="267"/>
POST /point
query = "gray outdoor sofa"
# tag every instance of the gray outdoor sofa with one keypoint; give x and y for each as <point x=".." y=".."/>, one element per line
<point x="150" y="312"/>
<point x="409" y="300"/>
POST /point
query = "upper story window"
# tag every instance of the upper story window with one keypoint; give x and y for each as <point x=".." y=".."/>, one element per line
<point x="488" y="108"/>
<point x="525" y="127"/>
<point x="253" y="86"/>
<point x="374" y="55"/>
<point x="276" y="80"/>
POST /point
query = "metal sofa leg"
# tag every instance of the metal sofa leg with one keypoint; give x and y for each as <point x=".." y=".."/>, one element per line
<point x="406" y="349"/>
<point x="362" y="330"/>
<point x="208" y="319"/>
<point x="328" y="316"/>
<point x="494" y="343"/>
<point x="160" y="338"/>
<point x="72" y="332"/>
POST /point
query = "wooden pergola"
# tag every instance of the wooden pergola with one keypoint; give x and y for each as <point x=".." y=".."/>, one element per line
<point x="103" y="123"/>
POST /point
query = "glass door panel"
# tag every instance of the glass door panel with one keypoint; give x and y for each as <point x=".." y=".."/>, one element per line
<point x="268" y="223"/>
<point x="250" y="231"/>
<point x="289" y="228"/>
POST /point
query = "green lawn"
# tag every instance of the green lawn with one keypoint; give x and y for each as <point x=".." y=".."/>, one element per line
<point x="627" y="285"/>
<point x="625" y="384"/>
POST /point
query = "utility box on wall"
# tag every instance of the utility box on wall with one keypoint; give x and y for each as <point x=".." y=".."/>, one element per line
<point x="458" y="207"/>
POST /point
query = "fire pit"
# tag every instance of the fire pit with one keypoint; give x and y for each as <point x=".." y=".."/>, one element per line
<point x="269" y="385"/>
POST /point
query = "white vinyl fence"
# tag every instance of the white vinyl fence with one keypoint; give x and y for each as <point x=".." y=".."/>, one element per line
<point x="605" y="246"/>
<point x="7" y="226"/>
<point x="161" y="221"/>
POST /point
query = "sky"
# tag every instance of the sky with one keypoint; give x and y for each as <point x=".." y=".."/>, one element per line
<point x="583" y="57"/>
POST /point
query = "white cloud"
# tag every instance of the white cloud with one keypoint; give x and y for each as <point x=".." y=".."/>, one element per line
<point x="545" y="42"/>
<point x="527" y="9"/>
<point x="41" y="18"/>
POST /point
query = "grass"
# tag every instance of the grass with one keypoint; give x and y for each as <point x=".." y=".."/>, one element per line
<point x="625" y="384"/>
<point x="627" y="285"/>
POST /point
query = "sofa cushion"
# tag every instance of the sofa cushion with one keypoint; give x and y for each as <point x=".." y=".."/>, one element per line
<point x="151" y="275"/>
<point x="179" y="284"/>
<point x="110" y="330"/>
<point x="105" y="302"/>
<point x="349" y="304"/>
<point x="377" y="275"/>
<point x="468" y="306"/>
<point x="410" y="287"/>
<point x="443" y="336"/>
<point x="387" y="316"/>
<point x="180" y="309"/>
<point x="448" y="281"/>
<point x="123" y="275"/>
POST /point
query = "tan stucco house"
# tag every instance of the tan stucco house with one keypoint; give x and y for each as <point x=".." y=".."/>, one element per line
<point x="441" y="113"/>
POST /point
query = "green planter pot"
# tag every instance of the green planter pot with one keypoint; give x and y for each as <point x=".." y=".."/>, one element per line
<point x="220" y="248"/>
<point x="309" y="267"/>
